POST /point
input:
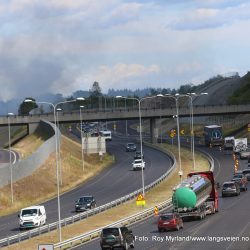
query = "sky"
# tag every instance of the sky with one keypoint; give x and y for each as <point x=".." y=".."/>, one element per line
<point x="60" y="46"/>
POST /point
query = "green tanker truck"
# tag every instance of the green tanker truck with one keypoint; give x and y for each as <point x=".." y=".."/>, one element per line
<point x="196" y="196"/>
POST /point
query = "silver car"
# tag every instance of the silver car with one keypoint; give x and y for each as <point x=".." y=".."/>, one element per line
<point x="245" y="154"/>
<point x="230" y="188"/>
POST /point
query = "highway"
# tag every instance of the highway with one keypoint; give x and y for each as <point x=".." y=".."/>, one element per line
<point x="124" y="181"/>
<point x="227" y="229"/>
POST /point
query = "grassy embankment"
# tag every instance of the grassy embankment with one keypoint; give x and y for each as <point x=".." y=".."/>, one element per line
<point x="41" y="184"/>
<point x="160" y="193"/>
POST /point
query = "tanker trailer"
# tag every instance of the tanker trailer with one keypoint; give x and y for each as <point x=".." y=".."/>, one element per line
<point x="196" y="196"/>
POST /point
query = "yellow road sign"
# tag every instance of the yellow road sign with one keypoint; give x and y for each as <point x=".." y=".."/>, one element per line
<point x="140" y="200"/>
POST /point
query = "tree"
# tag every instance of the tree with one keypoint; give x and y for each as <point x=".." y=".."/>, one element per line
<point x="26" y="107"/>
<point x="95" y="91"/>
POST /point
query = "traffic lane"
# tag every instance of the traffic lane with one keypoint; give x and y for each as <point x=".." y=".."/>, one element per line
<point x="223" y="172"/>
<point x="218" y="231"/>
<point x="5" y="157"/>
<point x="109" y="185"/>
<point x="119" y="178"/>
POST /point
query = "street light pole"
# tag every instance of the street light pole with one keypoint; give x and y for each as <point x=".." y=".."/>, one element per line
<point x="191" y="96"/>
<point x="176" y="97"/>
<point x="10" y="162"/>
<point x="59" y="145"/>
<point x="82" y="137"/>
<point x="57" y="158"/>
<point x="140" y="128"/>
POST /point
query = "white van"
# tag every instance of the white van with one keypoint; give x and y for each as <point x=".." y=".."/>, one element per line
<point x="31" y="217"/>
<point x="106" y="134"/>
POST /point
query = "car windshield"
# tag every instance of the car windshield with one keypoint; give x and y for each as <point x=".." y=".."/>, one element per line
<point x="110" y="231"/>
<point x="166" y="217"/>
<point x="138" y="161"/>
<point x="85" y="199"/>
<point x="238" y="176"/>
<point x="130" y="144"/>
<point x="246" y="171"/>
<point x="29" y="212"/>
<point x="236" y="179"/>
<point x="226" y="185"/>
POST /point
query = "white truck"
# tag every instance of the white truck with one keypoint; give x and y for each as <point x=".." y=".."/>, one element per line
<point x="31" y="217"/>
<point x="106" y="134"/>
<point x="229" y="143"/>
<point x="240" y="144"/>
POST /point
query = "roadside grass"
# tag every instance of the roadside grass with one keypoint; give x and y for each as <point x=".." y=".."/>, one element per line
<point x="30" y="143"/>
<point x="41" y="184"/>
<point x="158" y="194"/>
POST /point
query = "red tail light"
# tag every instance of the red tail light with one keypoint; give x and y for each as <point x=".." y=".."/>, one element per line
<point x="173" y="221"/>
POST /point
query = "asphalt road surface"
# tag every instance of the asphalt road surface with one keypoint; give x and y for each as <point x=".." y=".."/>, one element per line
<point x="111" y="184"/>
<point x="227" y="229"/>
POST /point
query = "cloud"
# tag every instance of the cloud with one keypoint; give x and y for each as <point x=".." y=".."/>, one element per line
<point x="206" y="17"/>
<point x="62" y="46"/>
<point x="118" y="76"/>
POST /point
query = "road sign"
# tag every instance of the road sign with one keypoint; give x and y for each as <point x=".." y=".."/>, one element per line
<point x="140" y="200"/>
<point x="172" y="133"/>
<point x="156" y="211"/>
<point x="46" y="247"/>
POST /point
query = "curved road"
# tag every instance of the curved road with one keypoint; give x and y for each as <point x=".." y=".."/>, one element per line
<point x="124" y="181"/>
<point x="227" y="229"/>
<point x="5" y="157"/>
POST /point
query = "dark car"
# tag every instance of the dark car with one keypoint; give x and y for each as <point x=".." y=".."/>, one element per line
<point x="138" y="155"/>
<point x="85" y="203"/>
<point x="117" y="237"/>
<point x="230" y="188"/>
<point x="246" y="172"/>
<point x="242" y="183"/>
<point x="130" y="147"/>
<point x="169" y="221"/>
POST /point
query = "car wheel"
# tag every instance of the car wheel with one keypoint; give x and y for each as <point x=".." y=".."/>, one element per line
<point x="159" y="229"/>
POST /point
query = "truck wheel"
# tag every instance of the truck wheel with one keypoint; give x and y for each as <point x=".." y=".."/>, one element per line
<point x="132" y="245"/>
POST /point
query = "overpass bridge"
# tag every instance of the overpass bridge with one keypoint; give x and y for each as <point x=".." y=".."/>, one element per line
<point x="116" y="114"/>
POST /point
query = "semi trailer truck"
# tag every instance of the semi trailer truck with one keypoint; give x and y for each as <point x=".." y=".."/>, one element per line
<point x="213" y="135"/>
<point x="196" y="196"/>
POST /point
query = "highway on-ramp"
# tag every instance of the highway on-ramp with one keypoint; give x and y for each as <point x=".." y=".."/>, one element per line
<point x="112" y="183"/>
<point x="227" y="229"/>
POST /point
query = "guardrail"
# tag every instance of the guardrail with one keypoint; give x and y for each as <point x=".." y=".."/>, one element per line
<point x="80" y="239"/>
<point x="126" y="221"/>
<point x="70" y="220"/>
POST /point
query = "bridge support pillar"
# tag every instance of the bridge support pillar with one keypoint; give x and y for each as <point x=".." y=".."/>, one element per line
<point x="32" y="127"/>
<point x="153" y="130"/>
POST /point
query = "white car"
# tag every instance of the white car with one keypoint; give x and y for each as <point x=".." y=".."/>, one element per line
<point x="31" y="217"/>
<point x="138" y="164"/>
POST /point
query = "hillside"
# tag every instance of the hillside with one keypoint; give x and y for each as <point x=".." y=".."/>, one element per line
<point x="242" y="94"/>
